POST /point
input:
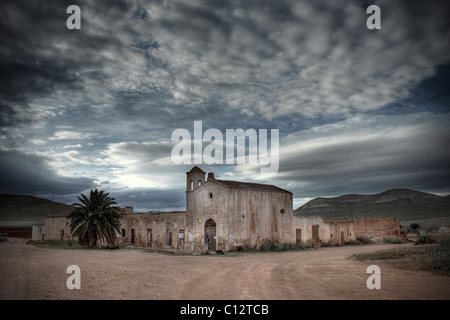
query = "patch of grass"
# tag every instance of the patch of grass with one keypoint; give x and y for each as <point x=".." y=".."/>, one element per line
<point x="425" y="239"/>
<point x="67" y="244"/>
<point x="354" y="243"/>
<point x="271" y="246"/>
<point x="110" y="247"/>
<point x="364" y="239"/>
<point x="430" y="257"/>
<point x="56" y="244"/>
<point x="392" y="240"/>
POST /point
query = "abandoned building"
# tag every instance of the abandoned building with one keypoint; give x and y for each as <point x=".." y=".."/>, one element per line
<point x="227" y="215"/>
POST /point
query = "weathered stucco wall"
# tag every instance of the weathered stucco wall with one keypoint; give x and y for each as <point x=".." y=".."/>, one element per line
<point x="243" y="217"/>
<point x="339" y="231"/>
<point x="55" y="228"/>
<point x="153" y="229"/>
<point x="256" y="217"/>
<point x="206" y="202"/>
<point x="333" y="231"/>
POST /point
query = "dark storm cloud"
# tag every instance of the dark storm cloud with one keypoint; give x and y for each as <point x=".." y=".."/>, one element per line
<point x="272" y="59"/>
<point x="358" y="157"/>
<point x="40" y="56"/>
<point x="29" y="174"/>
<point x="26" y="71"/>
<point x="298" y="57"/>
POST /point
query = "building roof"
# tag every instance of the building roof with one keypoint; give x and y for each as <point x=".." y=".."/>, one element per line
<point x="250" y="186"/>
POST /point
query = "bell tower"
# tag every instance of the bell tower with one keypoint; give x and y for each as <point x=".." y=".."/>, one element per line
<point x="195" y="178"/>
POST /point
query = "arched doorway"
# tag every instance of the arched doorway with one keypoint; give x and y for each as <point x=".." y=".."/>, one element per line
<point x="210" y="235"/>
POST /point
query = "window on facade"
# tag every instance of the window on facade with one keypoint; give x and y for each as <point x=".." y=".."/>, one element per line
<point x="192" y="185"/>
<point x="282" y="211"/>
<point x="210" y="195"/>
<point x="199" y="182"/>
<point x="123" y="232"/>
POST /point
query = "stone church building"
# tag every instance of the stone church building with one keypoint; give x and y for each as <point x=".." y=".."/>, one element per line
<point x="229" y="215"/>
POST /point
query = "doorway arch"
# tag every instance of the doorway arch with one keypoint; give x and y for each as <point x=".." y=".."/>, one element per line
<point x="210" y="235"/>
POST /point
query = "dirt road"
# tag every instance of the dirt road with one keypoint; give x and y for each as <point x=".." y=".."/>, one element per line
<point x="28" y="272"/>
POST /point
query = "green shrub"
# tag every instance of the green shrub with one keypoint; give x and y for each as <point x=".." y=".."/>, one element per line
<point x="392" y="240"/>
<point x="353" y="243"/>
<point x="111" y="247"/>
<point x="364" y="239"/>
<point x="441" y="257"/>
<point x="267" y="246"/>
<point x="425" y="239"/>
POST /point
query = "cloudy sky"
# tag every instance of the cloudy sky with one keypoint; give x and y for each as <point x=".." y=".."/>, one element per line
<point x="358" y="110"/>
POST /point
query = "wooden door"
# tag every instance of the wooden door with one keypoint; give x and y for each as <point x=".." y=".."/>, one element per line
<point x="149" y="238"/>
<point x="315" y="235"/>
<point x="132" y="236"/>
<point x="210" y="235"/>
<point x="298" y="236"/>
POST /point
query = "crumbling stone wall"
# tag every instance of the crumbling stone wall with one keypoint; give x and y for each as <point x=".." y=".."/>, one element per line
<point x="377" y="227"/>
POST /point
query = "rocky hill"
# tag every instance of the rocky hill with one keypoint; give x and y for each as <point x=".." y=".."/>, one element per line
<point x="406" y="204"/>
<point x="22" y="210"/>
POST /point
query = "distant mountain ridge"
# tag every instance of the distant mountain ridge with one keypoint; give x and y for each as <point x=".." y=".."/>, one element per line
<point x="403" y="203"/>
<point x="26" y="210"/>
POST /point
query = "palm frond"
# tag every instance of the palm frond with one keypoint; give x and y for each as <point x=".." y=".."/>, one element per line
<point x="95" y="218"/>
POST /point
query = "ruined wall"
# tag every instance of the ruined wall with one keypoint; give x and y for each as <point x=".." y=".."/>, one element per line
<point x="377" y="227"/>
<point x="55" y="228"/>
<point x="333" y="231"/>
<point x="339" y="231"/>
<point x="155" y="224"/>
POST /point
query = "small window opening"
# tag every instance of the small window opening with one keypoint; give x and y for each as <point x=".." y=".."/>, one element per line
<point x="282" y="211"/>
<point x="210" y="195"/>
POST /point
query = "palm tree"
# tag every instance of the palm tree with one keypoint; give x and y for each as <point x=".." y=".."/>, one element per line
<point x="94" y="219"/>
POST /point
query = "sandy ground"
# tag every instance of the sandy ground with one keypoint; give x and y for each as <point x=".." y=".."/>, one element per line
<point x="28" y="272"/>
